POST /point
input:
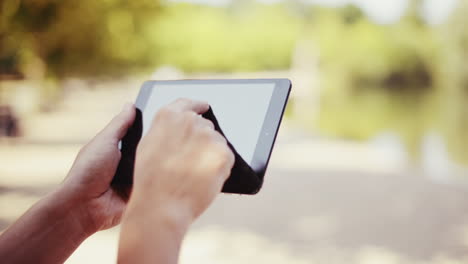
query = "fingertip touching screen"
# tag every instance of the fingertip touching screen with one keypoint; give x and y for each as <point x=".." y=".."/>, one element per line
<point x="246" y="112"/>
<point x="240" y="108"/>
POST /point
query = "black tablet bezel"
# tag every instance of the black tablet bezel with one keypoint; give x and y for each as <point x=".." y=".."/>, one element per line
<point x="271" y="123"/>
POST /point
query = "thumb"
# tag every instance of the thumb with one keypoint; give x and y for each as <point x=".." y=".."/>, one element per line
<point x="119" y="125"/>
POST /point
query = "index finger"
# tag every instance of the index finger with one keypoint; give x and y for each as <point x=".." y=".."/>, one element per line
<point x="184" y="104"/>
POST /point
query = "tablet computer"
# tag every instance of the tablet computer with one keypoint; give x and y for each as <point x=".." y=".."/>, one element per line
<point x="247" y="112"/>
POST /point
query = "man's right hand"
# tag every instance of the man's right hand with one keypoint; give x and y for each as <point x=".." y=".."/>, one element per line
<point x="182" y="161"/>
<point x="181" y="165"/>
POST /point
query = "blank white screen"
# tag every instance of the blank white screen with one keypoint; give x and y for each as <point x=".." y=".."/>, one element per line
<point x="239" y="108"/>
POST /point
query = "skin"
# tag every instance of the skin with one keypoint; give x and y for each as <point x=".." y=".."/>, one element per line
<point x="172" y="187"/>
<point x="82" y="204"/>
<point x="181" y="166"/>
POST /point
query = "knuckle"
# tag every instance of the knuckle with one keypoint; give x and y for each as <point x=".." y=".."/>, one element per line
<point x="224" y="154"/>
<point x="182" y="101"/>
<point x="206" y="132"/>
<point x="228" y="156"/>
<point x="208" y="123"/>
<point x="189" y="118"/>
<point x="221" y="138"/>
<point x="163" y="112"/>
<point x="231" y="157"/>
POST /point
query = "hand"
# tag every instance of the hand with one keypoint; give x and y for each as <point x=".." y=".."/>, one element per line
<point x="56" y="225"/>
<point x="97" y="205"/>
<point x="181" y="166"/>
<point x="182" y="162"/>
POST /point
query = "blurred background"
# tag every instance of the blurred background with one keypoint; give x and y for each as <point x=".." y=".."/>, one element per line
<point x="370" y="165"/>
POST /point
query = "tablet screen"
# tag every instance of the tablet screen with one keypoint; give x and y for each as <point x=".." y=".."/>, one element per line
<point x="239" y="108"/>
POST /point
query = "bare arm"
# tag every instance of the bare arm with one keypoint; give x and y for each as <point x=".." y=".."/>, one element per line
<point x="180" y="168"/>
<point x="152" y="235"/>
<point x="46" y="233"/>
<point x="83" y="204"/>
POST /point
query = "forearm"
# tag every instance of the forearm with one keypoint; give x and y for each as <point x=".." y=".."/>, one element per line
<point x="152" y="235"/>
<point x="47" y="233"/>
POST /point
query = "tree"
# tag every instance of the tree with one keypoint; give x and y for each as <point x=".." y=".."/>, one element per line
<point x="453" y="80"/>
<point x="83" y="38"/>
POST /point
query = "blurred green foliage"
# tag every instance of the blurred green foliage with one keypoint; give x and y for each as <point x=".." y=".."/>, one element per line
<point x="77" y="38"/>
<point x="377" y="77"/>
<point x="452" y="84"/>
<point x="407" y="77"/>
<point x="252" y="37"/>
<point x="104" y="38"/>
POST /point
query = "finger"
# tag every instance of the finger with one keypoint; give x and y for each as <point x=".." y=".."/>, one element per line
<point x="203" y="122"/>
<point x="184" y="104"/>
<point x="229" y="163"/>
<point x="219" y="138"/>
<point x="231" y="159"/>
<point x="119" y="125"/>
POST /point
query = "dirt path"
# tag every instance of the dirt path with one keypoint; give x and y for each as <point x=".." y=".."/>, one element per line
<point x="300" y="216"/>
<point x="324" y="201"/>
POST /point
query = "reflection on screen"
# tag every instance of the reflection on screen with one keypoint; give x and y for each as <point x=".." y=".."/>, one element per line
<point x="239" y="108"/>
